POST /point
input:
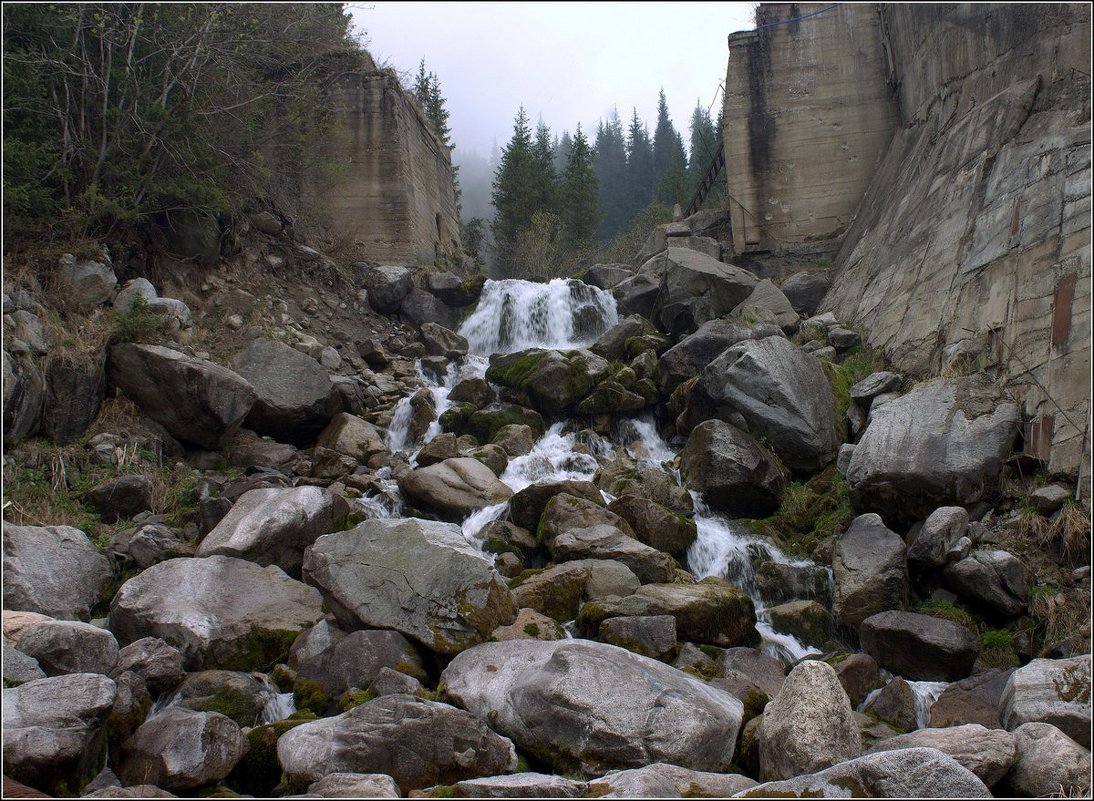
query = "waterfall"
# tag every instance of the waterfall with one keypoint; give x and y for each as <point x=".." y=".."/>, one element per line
<point x="515" y="315"/>
<point x="925" y="693"/>
<point x="278" y="706"/>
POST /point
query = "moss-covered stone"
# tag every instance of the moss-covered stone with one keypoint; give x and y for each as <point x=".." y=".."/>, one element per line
<point x="259" y="772"/>
<point x="308" y="694"/>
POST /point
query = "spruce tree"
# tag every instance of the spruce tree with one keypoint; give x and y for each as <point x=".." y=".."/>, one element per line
<point x="639" y="167"/>
<point x="544" y="177"/>
<point x="672" y="187"/>
<point x="704" y="145"/>
<point x="562" y="151"/>
<point x="578" y="207"/>
<point x="514" y="195"/>
<point x="610" y="165"/>
<point x="664" y="141"/>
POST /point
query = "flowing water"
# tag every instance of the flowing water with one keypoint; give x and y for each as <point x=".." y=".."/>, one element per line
<point x="514" y="315"/>
<point x="276" y="705"/>
<point x="924" y="694"/>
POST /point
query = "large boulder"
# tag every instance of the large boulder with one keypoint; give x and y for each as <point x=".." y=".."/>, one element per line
<point x="440" y="341"/>
<point x="220" y="612"/>
<point x="695" y="288"/>
<point x="690" y="355"/>
<point x="553" y="380"/>
<point x="418" y="743"/>
<point x="357" y="659"/>
<point x="994" y="581"/>
<point x="181" y="749"/>
<point x="157" y="662"/>
<point x="24" y="396"/>
<point x="420" y="308"/>
<point x="453" y="290"/>
<point x="558" y="591"/>
<point x="782" y="394"/>
<point x="612" y="344"/>
<point x="352" y="436"/>
<point x="938" y="534"/>
<point x="768" y="303"/>
<point x="920" y="647"/>
<point x="67" y="646"/>
<point x="418" y="577"/>
<point x="53" y="570"/>
<point x="84" y="284"/>
<point x="637" y="294"/>
<point x="989" y="753"/>
<point x="656" y="526"/>
<point x="1055" y="691"/>
<point x="606" y="276"/>
<point x="662" y="780"/>
<point x="711" y="612"/>
<point x="602" y="541"/>
<point x="53" y="729"/>
<point x="972" y="700"/>
<point x="1049" y="764"/>
<point x="74" y="392"/>
<point x="808" y="725"/>
<point x="273" y="526"/>
<point x="195" y="400"/>
<point x="907" y="773"/>
<point x="941" y="444"/>
<point x="520" y="785"/>
<point x="733" y="472"/>
<point x="592" y="707"/>
<point x="526" y="506"/>
<point x="868" y="571"/>
<point x="295" y="396"/>
<point x="387" y="285"/>
<point x="806" y="290"/>
<point x="454" y="488"/>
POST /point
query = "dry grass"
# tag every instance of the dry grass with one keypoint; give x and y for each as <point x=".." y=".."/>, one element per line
<point x="1069" y="534"/>
<point x="1063" y="617"/>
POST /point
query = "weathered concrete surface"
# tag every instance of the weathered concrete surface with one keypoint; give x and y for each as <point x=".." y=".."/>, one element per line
<point x="390" y="197"/>
<point x="977" y="224"/>
<point x="808" y="116"/>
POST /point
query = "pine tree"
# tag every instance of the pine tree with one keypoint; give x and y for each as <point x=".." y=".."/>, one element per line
<point x="436" y="112"/>
<point x="610" y="165"/>
<point x="578" y="208"/>
<point x="562" y="151"/>
<point x="672" y="187"/>
<point x="514" y="195"/>
<point x="544" y="177"/>
<point x="704" y="145"/>
<point x="663" y="140"/>
<point x="639" y="167"/>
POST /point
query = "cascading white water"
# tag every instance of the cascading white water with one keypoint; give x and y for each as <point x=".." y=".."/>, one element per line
<point x="516" y="315"/>
<point x="924" y="694"/>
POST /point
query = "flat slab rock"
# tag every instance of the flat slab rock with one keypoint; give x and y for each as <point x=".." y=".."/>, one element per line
<point x="592" y="707"/>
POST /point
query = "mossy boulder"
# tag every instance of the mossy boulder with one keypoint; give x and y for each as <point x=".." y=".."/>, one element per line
<point x="553" y="380"/>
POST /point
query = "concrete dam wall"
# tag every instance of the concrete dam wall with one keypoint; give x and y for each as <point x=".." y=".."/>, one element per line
<point x="963" y="230"/>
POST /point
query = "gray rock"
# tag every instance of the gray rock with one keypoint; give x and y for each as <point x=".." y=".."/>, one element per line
<point x="612" y="344"/>
<point x="122" y="497"/>
<point x="476" y="391"/>
<point x="149" y="544"/>
<point x="274" y="526"/>
<point x="806" y="290"/>
<point x="352" y="436"/>
<point x="391" y="682"/>
<point x="690" y="355"/>
<point x="155" y="661"/>
<point x="1049" y="763"/>
<point x="355" y="785"/>
<point x="420" y="307"/>
<point x="843" y="338"/>
<point x="53" y="728"/>
<point x="239" y="696"/>
<point x="653" y="636"/>
<point x="26" y="327"/>
<point x="695" y="288"/>
<point x="454" y="488"/>
<point x="55" y="570"/>
<point x="782" y="394"/>
<point x="418" y="743"/>
<point x="808" y="621"/>
<point x="733" y="472"/>
<point x="195" y="400"/>
<point x="843" y="457"/>
<point x="453" y="290"/>
<point x="588" y="706"/>
<point x="858" y="674"/>
<point x="662" y="780"/>
<point x="181" y="749"/>
<point x="136" y="791"/>
<point x="972" y="700"/>
<point x="67" y="646"/>
<point x="607" y="276"/>
<point x="768" y="303"/>
<point x="74" y="393"/>
<point x="520" y="785"/>
<point x="439" y="341"/>
<point x="711" y="612"/>
<point x="295" y="397"/>
<point x="654" y="525"/>
<point x="417" y="577"/>
<point x="602" y="541"/>
<point x="265" y="222"/>
<point x="131" y="290"/>
<point x="558" y="591"/>
<point x="808" y="725"/>
<point x="387" y="285"/>
<point x="24" y="394"/>
<point x="515" y="439"/>
<point x="941" y="444"/>
<point x="530" y="625"/>
<point x="994" y="580"/>
<point x="553" y="380"/>
<point x="895" y="704"/>
<point x="637" y="295"/>
<point x="1055" y="691"/>
<point x="747" y="671"/>
<point x="527" y="506"/>
<point x="989" y="753"/>
<point x="176" y="314"/>
<point x="907" y="773"/>
<point x="873" y="385"/>
<point x="1050" y="499"/>
<point x="939" y="533"/>
<point x="920" y="647"/>
<point x="85" y="284"/>
<point x="220" y="612"/>
<point x="868" y="571"/>
<point x="357" y="659"/>
<point x="20" y="668"/>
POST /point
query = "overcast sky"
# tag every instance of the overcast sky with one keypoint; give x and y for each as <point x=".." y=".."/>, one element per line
<point x="566" y="62"/>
